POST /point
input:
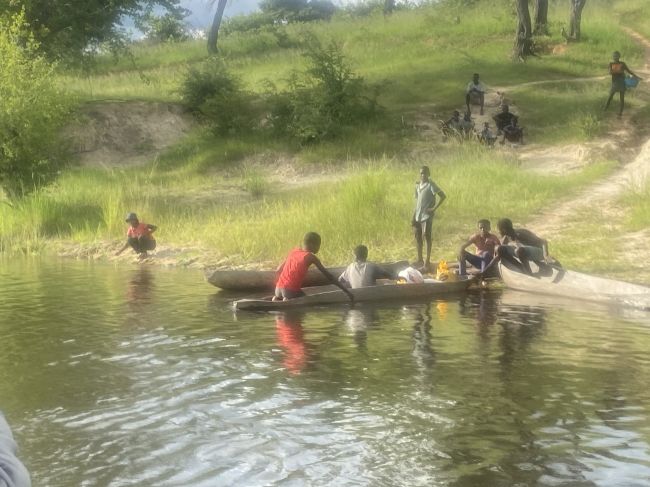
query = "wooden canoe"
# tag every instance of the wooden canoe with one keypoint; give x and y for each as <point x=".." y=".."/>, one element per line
<point x="388" y="290"/>
<point x="575" y="285"/>
<point x="236" y="280"/>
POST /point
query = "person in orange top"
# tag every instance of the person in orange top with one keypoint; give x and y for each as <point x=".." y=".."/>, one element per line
<point x="486" y="244"/>
<point x="291" y="273"/>
<point x="139" y="236"/>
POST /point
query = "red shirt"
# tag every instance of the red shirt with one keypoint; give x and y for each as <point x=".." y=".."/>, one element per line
<point x="142" y="230"/>
<point x="485" y="244"/>
<point x="294" y="270"/>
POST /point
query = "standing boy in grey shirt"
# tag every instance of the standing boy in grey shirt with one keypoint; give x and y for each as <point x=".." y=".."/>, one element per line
<point x="426" y="205"/>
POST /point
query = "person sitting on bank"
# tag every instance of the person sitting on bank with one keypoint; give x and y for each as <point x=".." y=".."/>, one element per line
<point x="291" y="273"/>
<point x="139" y="236"/>
<point x="486" y="244"/>
<point x="520" y="246"/>
<point x="504" y="118"/>
<point x="452" y="126"/>
<point x="362" y="273"/>
<point x="513" y="133"/>
<point x="467" y="125"/>
<point x="486" y="136"/>
<point x="475" y="89"/>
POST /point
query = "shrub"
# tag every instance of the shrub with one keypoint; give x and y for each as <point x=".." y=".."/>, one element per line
<point x="32" y="112"/>
<point x="216" y="96"/>
<point x="324" y="100"/>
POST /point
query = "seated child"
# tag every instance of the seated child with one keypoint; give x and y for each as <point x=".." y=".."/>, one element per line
<point x="362" y="273"/>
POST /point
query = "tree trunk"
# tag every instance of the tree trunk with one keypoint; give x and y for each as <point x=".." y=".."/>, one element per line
<point x="576" y="17"/>
<point x="541" y="16"/>
<point x="389" y="6"/>
<point x="213" y="35"/>
<point x="524" y="41"/>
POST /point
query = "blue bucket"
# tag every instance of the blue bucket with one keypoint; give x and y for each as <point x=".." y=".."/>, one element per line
<point x="631" y="82"/>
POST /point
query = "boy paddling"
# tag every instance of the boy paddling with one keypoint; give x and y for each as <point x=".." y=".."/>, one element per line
<point x="291" y="273"/>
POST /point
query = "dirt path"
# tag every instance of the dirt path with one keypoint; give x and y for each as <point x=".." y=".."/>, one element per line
<point x="604" y="194"/>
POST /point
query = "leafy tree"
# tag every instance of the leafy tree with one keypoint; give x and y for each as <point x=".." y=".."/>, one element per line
<point x="298" y="10"/>
<point x="213" y="34"/>
<point x="524" y="45"/>
<point x="164" y="28"/>
<point x="541" y="16"/>
<point x="576" y="19"/>
<point x="32" y="111"/>
<point x="70" y="29"/>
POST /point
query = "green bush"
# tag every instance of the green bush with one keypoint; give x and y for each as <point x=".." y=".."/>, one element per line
<point x="217" y="97"/>
<point x="32" y="112"/>
<point x="324" y="100"/>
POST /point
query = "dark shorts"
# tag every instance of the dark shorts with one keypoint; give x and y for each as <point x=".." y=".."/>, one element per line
<point x="422" y="228"/>
<point x="142" y="244"/>
<point x="281" y="293"/>
<point x="618" y="86"/>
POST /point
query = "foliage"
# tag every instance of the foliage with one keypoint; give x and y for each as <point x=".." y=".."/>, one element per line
<point x="216" y="96"/>
<point x="164" y="28"/>
<point x="75" y="29"/>
<point x="325" y="99"/>
<point x="31" y="114"/>
<point x="298" y="10"/>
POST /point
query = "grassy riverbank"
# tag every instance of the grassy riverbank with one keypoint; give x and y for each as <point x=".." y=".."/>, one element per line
<point x="229" y="201"/>
<point x="372" y="205"/>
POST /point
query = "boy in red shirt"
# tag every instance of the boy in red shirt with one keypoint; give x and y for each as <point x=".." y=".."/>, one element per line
<point x="139" y="236"/>
<point x="293" y="270"/>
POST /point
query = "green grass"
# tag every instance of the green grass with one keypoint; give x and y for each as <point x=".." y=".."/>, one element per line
<point x="372" y="206"/>
<point x="422" y="57"/>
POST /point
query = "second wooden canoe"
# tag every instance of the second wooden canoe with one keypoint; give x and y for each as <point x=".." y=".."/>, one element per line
<point x="576" y="285"/>
<point x="242" y="280"/>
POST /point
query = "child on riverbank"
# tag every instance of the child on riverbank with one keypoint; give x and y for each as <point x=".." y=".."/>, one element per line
<point x="139" y="236"/>
<point x="486" y="244"/>
<point x="291" y="273"/>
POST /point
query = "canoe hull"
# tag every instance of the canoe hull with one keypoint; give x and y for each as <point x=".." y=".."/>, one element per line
<point x="575" y="285"/>
<point x="236" y="280"/>
<point x="382" y="292"/>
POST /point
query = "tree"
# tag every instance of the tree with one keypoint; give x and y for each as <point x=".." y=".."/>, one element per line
<point x="389" y="6"/>
<point x="524" y="45"/>
<point x="32" y="111"/>
<point x="70" y="29"/>
<point x="575" y="19"/>
<point x="213" y="35"/>
<point x="541" y="16"/>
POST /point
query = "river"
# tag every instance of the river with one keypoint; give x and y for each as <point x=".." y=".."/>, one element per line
<point x="144" y="376"/>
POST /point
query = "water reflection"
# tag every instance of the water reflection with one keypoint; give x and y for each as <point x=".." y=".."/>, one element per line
<point x="358" y="321"/>
<point x="291" y="338"/>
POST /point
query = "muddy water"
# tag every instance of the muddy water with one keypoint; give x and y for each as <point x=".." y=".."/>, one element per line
<point x="144" y="377"/>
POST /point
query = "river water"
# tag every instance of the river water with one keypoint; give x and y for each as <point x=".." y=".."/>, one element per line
<point x="145" y="377"/>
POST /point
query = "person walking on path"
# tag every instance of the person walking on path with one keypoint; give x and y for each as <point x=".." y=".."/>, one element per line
<point x="428" y="198"/>
<point x="139" y="236"/>
<point x="617" y="69"/>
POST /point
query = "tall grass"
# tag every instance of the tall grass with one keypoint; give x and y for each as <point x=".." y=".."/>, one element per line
<point x="373" y="207"/>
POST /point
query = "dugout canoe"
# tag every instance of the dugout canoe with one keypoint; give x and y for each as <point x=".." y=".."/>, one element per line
<point x="241" y="280"/>
<point x="569" y="284"/>
<point x="385" y="291"/>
